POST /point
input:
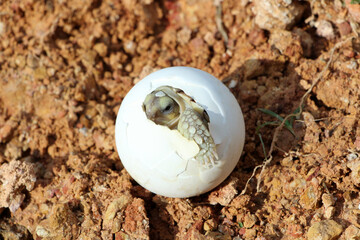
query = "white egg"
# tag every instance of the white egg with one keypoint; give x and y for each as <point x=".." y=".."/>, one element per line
<point x="162" y="160"/>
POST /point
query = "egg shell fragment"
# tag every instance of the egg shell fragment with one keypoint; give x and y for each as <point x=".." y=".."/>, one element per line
<point x="160" y="159"/>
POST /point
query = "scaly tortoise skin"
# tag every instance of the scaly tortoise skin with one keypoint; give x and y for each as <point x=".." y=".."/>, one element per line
<point x="171" y="107"/>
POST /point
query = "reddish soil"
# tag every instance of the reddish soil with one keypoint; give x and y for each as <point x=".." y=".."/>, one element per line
<point x="65" y="67"/>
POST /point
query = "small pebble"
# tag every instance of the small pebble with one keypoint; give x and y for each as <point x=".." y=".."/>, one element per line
<point x="329" y="212"/>
<point x="352" y="65"/>
<point x="250" y="220"/>
<point x="325" y="29"/>
<point x="101" y="49"/>
<point x="2" y="28"/>
<point x="210" y="225"/>
<point x="352" y="233"/>
<point x="351" y="156"/>
<point x="344" y="28"/>
<point x="42" y="232"/>
<point x="328" y="200"/>
<point x="233" y="83"/>
<point x="324" y="230"/>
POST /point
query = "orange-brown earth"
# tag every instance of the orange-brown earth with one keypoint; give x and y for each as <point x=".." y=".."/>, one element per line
<point x="65" y="67"/>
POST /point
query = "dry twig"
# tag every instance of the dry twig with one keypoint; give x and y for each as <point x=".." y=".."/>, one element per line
<point x="219" y="22"/>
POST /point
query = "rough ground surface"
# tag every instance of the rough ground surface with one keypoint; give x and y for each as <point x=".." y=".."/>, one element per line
<point x="65" y="67"/>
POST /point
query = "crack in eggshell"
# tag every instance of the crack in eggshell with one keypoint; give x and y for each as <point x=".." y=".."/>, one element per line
<point x="200" y="94"/>
<point x="169" y="148"/>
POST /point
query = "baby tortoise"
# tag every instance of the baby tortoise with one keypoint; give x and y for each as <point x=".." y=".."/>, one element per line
<point x="171" y="107"/>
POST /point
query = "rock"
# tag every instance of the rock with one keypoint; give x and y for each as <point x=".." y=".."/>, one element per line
<point x="130" y="47"/>
<point x="121" y="236"/>
<point x="32" y="61"/>
<point x="328" y="200"/>
<point x="325" y="29"/>
<point x="352" y="233"/>
<point x="250" y="233"/>
<point x="352" y="64"/>
<point x="136" y="223"/>
<point x="209" y="38"/>
<point x="40" y="73"/>
<point x="312" y="132"/>
<point x="329" y="212"/>
<point x="184" y="35"/>
<point x="101" y="49"/>
<point x="119" y="204"/>
<point x="88" y="58"/>
<point x="257" y="36"/>
<point x="352" y="156"/>
<point x="344" y="28"/>
<point x="324" y="230"/>
<point x="240" y="201"/>
<point x="225" y="194"/>
<point x="310" y="198"/>
<point x="253" y="68"/>
<point x="11" y="231"/>
<point x="287" y="43"/>
<point x="226" y="229"/>
<point x="272" y="14"/>
<point x="210" y="225"/>
<point x="2" y="28"/>
<point x="42" y="232"/>
<point x="20" y="61"/>
<point x="354" y="10"/>
<point x="354" y="165"/>
<point x="62" y="223"/>
<point x="250" y="220"/>
<point x="15" y="177"/>
<point x="7" y="130"/>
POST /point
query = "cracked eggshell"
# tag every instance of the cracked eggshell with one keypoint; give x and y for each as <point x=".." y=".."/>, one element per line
<point x="160" y="159"/>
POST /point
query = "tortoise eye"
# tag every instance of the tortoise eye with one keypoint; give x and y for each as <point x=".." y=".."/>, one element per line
<point x="166" y="105"/>
<point x="168" y="109"/>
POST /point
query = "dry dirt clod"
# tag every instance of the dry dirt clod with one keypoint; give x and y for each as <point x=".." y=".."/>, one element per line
<point x="354" y="9"/>
<point x="344" y="28"/>
<point x="324" y="230"/>
<point x="328" y="200"/>
<point x="310" y="197"/>
<point x="250" y="220"/>
<point x="32" y="61"/>
<point x="6" y="130"/>
<point x="354" y="165"/>
<point x="257" y="37"/>
<point x="287" y="43"/>
<point x="277" y="14"/>
<point x="225" y="193"/>
<point x="11" y="231"/>
<point x="14" y="177"/>
<point x="101" y="49"/>
<point x="210" y="225"/>
<point x="136" y="223"/>
<point x="329" y="212"/>
<point x="2" y="28"/>
<point x="114" y="207"/>
<point x="325" y="29"/>
<point x="352" y="233"/>
<point x="62" y="223"/>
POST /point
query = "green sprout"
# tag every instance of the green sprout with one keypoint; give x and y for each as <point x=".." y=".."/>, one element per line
<point x="288" y="124"/>
<point x="355" y="2"/>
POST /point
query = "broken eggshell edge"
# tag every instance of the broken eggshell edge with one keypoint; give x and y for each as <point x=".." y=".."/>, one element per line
<point x="159" y="159"/>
